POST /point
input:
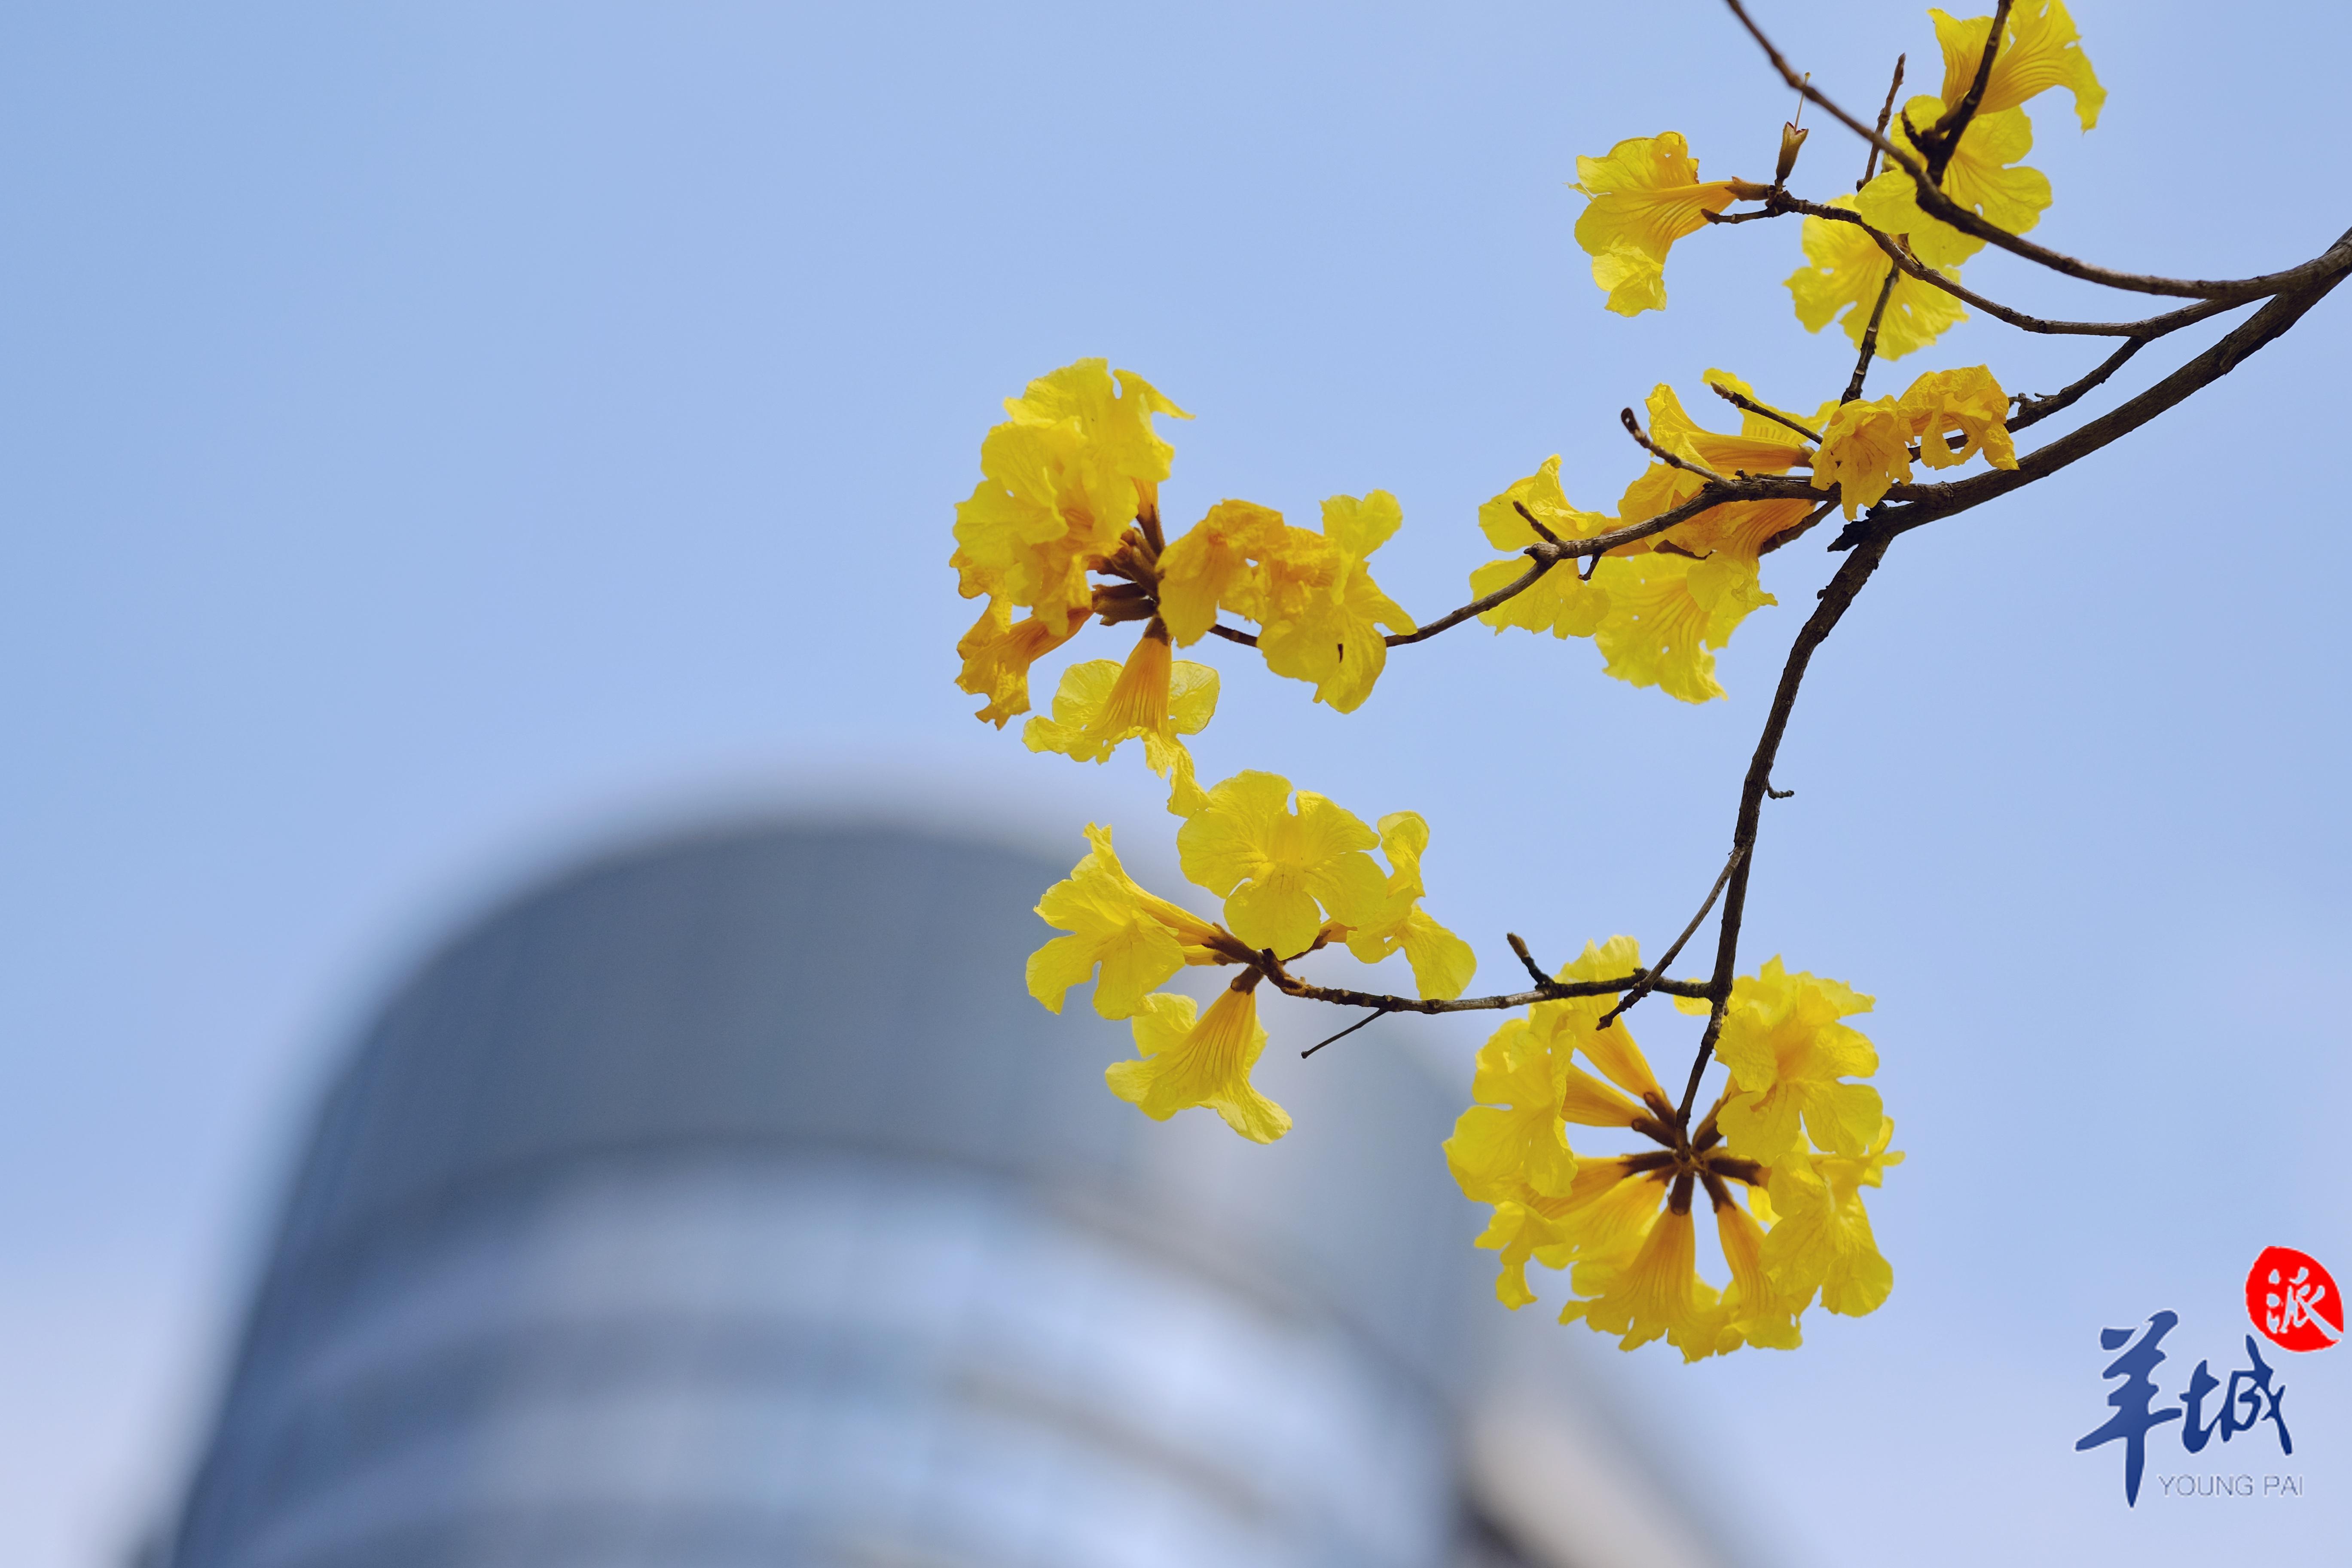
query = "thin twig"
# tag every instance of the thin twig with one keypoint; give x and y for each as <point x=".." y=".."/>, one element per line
<point x="1720" y="491"/>
<point x="1943" y="139"/>
<point x="1842" y="586"/>
<point x="1936" y="203"/>
<point x="1797" y="530"/>
<point x="2151" y="326"/>
<point x="1290" y="985"/>
<point x="1740" y="400"/>
<point x="1546" y="534"/>
<point x="1885" y="113"/>
<point x="2032" y="410"/>
<point x="1633" y="428"/>
<point x="1870" y="339"/>
<point x="1373" y="1017"/>
<point x="1520" y="946"/>
<point x="1247" y="639"/>
<point x="1917" y="505"/>
<point x="1649" y="976"/>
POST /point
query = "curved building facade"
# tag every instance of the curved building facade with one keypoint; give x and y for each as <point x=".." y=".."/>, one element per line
<point x="729" y="1201"/>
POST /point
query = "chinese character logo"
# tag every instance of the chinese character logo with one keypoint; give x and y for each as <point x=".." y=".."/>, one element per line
<point x="2294" y="1301"/>
<point x="2249" y="1398"/>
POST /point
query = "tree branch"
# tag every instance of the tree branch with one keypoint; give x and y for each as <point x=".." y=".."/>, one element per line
<point x="1834" y="599"/>
<point x="1936" y="203"/>
<point x="1917" y="505"/>
<point x="1649" y="977"/>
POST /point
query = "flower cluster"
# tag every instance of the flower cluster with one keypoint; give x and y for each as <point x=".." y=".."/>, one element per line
<point x="1069" y="487"/>
<point x="1066" y="526"/>
<point x="1646" y="193"/>
<point x="1790" y="1130"/>
<point x="1295" y="879"/>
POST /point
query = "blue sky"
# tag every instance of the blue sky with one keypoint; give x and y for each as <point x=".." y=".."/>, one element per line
<point x="434" y="437"/>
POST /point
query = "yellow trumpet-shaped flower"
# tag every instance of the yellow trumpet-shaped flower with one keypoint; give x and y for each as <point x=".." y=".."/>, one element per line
<point x="1442" y="962"/>
<point x="1653" y="1290"/>
<point x="1153" y="698"/>
<point x="1206" y="1061"/>
<point x="997" y="654"/>
<point x="2042" y="50"/>
<point x="1511" y="1144"/>
<point x="1843" y="273"/>
<point x="1622" y="1225"/>
<point x="1967" y="403"/>
<point x="1865" y="449"/>
<point x="1821" y="1238"/>
<point x="1320" y="611"/>
<point x="1752" y="1309"/>
<point x="1740" y="529"/>
<point x="1788" y="1057"/>
<point x="1603" y="1216"/>
<point x="1075" y="463"/>
<point x="1645" y="195"/>
<point x="1666" y="613"/>
<point x="1137" y="939"/>
<point x="1208" y="568"/>
<point x="1559" y="602"/>
<point x="1281" y="871"/>
<point x="1984" y="176"/>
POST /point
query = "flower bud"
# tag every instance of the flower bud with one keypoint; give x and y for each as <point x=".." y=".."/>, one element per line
<point x="1792" y="140"/>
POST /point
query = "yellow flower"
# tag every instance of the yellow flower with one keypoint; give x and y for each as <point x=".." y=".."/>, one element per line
<point x="1622" y="1225"/>
<point x="1655" y="1291"/>
<point x="1138" y="938"/>
<point x="1510" y="1142"/>
<point x="1865" y="449"/>
<point x="1558" y="603"/>
<point x="1077" y="461"/>
<point x="1967" y="403"/>
<point x="1788" y="1056"/>
<point x="1273" y="866"/>
<point x="2042" y="51"/>
<point x="1151" y="697"/>
<point x="1646" y="194"/>
<point x="1821" y="1238"/>
<point x="1843" y="272"/>
<point x="1740" y="529"/>
<point x="1442" y="962"/>
<point x="997" y="655"/>
<point x="1209" y="568"/>
<point x="1984" y="176"/>
<point x="1185" y="1062"/>
<point x="1604" y="1215"/>
<point x="1665" y="612"/>
<point x="1753" y="1310"/>
<point x="1321" y="610"/>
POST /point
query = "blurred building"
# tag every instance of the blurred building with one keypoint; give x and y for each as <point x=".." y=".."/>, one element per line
<point x="729" y="1202"/>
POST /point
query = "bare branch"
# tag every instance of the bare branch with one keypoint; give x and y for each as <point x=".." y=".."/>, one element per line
<point x="1850" y="576"/>
<point x="1917" y="505"/>
<point x="1885" y="112"/>
<point x="1373" y="1017"/>
<point x="1520" y="946"/>
<point x="1740" y="400"/>
<point x="1649" y="976"/>
<point x="1870" y="339"/>
<point x="1936" y="203"/>
<point x="1290" y="985"/>
<point x="1943" y="139"/>
<point x="2032" y="410"/>
<point x="1633" y="428"/>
